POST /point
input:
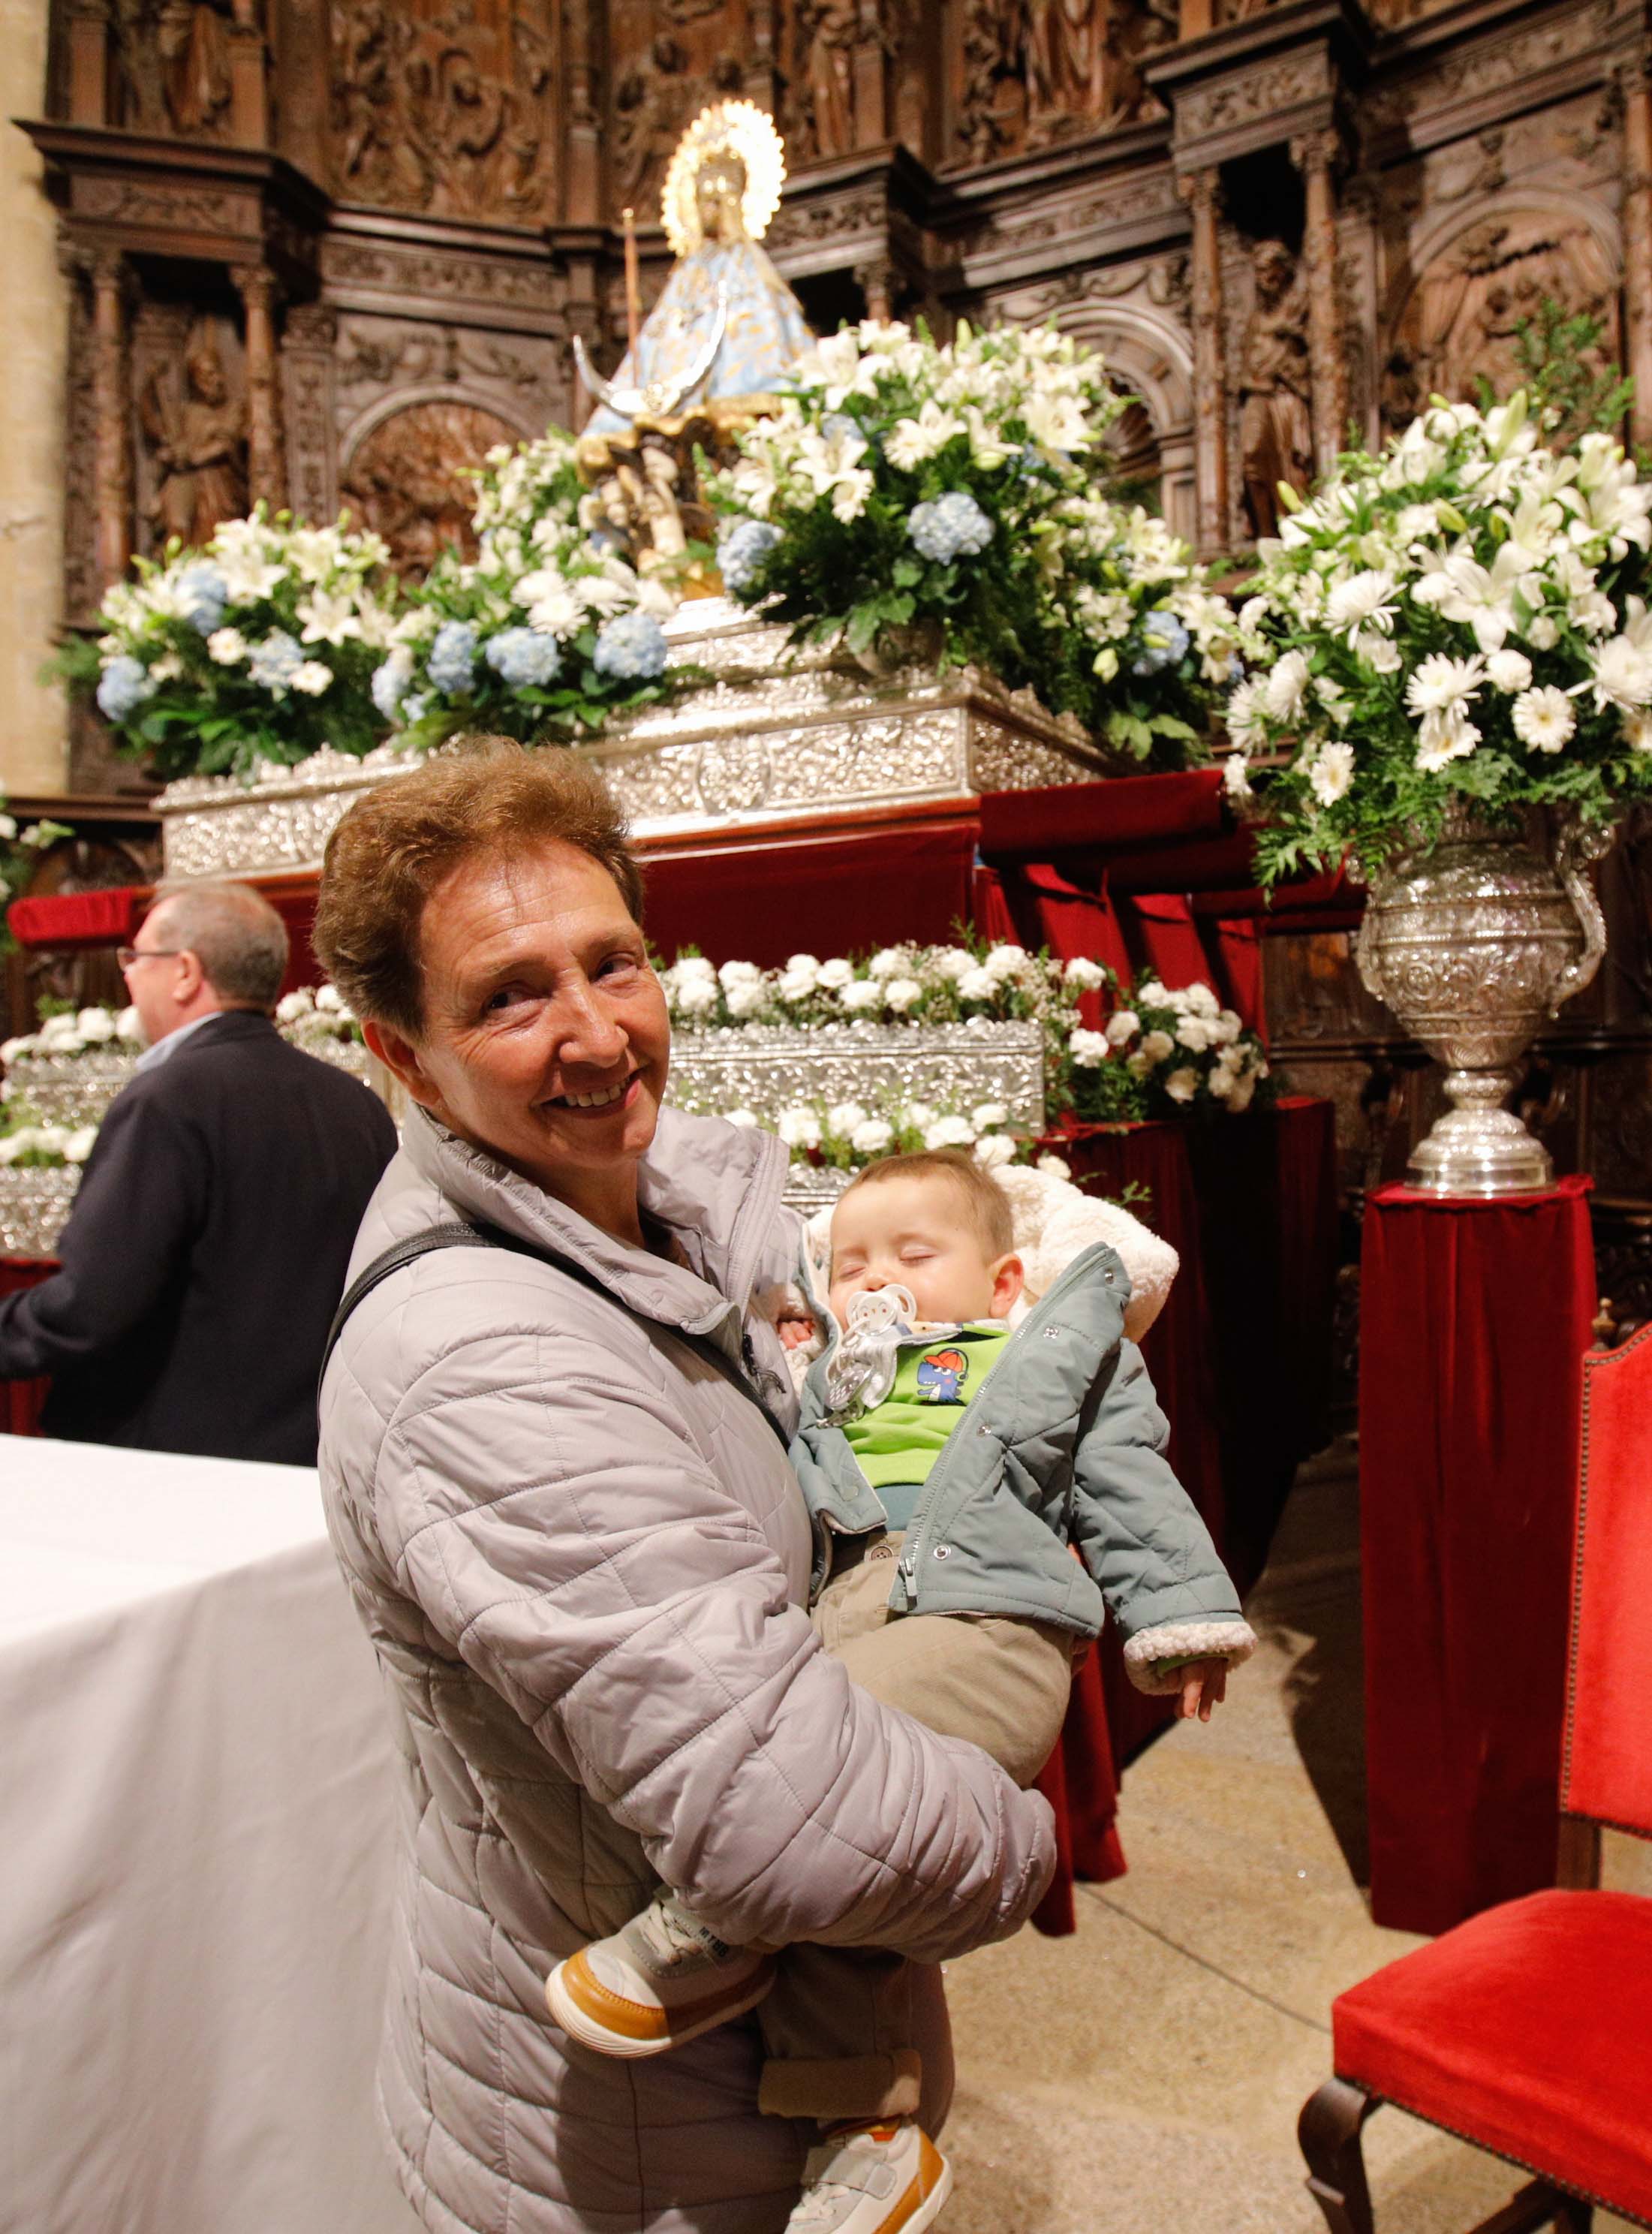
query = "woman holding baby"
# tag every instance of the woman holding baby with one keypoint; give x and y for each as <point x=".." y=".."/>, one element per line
<point x="555" y="1431"/>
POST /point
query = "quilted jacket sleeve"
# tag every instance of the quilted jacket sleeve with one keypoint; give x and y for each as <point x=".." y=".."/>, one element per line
<point x="594" y="1571"/>
<point x="1141" y="1537"/>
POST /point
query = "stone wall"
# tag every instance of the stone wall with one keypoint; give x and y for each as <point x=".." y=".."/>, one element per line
<point x="33" y="735"/>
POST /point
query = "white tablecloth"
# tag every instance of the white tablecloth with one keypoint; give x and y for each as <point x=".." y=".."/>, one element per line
<point x="194" y="1855"/>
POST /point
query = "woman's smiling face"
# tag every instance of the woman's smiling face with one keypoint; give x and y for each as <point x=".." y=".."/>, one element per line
<point x="545" y="1039"/>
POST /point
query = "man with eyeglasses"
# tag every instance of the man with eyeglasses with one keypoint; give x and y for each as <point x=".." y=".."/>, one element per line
<point x="214" y="1220"/>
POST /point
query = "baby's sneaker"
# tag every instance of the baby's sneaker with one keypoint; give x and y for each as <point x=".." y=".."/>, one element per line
<point x="664" y="1978"/>
<point x="872" y="2179"/>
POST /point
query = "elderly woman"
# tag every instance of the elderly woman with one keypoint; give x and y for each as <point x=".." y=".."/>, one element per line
<point x="554" y="1465"/>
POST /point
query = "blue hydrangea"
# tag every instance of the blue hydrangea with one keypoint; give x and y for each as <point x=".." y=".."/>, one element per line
<point x="202" y="595"/>
<point x="950" y="527"/>
<point x="632" y="648"/>
<point x="125" y="684"/>
<point x="1163" y="640"/>
<point x="390" y="680"/>
<point x="524" y="656"/>
<point x="413" y="707"/>
<point x="451" y="663"/>
<point x="273" y="663"/>
<point x="742" y="549"/>
<point x="838" y="426"/>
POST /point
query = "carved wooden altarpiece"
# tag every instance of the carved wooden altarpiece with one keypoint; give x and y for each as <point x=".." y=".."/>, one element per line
<point x="329" y="253"/>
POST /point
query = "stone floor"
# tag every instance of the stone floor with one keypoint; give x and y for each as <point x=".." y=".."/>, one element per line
<point x="1146" y="2074"/>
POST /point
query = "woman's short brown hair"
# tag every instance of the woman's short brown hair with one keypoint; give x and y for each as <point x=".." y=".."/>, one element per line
<point x="482" y="796"/>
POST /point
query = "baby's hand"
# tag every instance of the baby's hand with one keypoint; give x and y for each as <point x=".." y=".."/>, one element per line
<point x="1204" y="1685"/>
<point x="795" y="1332"/>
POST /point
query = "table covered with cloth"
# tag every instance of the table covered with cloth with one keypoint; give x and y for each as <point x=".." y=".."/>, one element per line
<point x="1241" y="1359"/>
<point x="195" y="1816"/>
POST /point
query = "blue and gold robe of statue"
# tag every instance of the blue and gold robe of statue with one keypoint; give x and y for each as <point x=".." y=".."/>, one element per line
<point x="765" y="334"/>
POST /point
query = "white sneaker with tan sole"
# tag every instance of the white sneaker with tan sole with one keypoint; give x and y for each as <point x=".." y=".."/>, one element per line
<point x="886" y="2179"/>
<point x="663" y="1979"/>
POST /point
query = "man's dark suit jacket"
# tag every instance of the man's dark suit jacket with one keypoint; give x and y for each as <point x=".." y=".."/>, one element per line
<point x="206" y="1252"/>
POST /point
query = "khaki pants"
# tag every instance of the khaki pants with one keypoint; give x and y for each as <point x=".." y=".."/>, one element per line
<point x="838" y="2023"/>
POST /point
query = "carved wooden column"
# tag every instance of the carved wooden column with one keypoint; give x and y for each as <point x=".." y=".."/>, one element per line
<point x="582" y="154"/>
<point x="267" y="462"/>
<point x="308" y="345"/>
<point x="872" y="81"/>
<point x="876" y="279"/>
<point x="89" y="61"/>
<point x="249" y="86"/>
<point x="760" y="76"/>
<point x="1314" y="155"/>
<point x="1637" y="240"/>
<point x="1201" y="190"/>
<point x="112" y="408"/>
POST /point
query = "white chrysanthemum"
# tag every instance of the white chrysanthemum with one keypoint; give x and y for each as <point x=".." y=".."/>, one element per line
<point x="1331" y="776"/>
<point x="1637" y="734"/>
<point x="226" y="647"/>
<point x="291" y="1006"/>
<point x="986" y="1116"/>
<point x="1444" y="734"/>
<point x="1543" y="719"/>
<point x="977" y="984"/>
<point x="1236" y="776"/>
<point x="745" y="1000"/>
<point x="1123" y="1024"/>
<point x="835" y="974"/>
<point x="901" y="994"/>
<point x="748" y="1119"/>
<point x="949" y="1133"/>
<point x="1054" y="1166"/>
<point x="872" y="1137"/>
<point x="1088" y="1050"/>
<point x="799" y="1128"/>
<point x="1363" y="600"/>
<point x="1439" y="682"/>
<point x="695" y="996"/>
<point x="997" y="1150"/>
<point x="1182" y="1085"/>
<point x="739" y="973"/>
<point x="1283" y="687"/>
<point x="864" y="993"/>
<point x="1622" y="673"/>
<point x="843" y="1116"/>
<point x="1509" y="670"/>
<point x="888" y="962"/>
<point x="1155" y="1047"/>
<point x="1084" y="974"/>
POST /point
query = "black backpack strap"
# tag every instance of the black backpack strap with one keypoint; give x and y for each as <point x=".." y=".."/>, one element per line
<point x="460" y="1235"/>
<point x="455" y="1235"/>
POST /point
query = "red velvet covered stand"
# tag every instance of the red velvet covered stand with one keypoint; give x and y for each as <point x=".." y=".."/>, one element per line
<point x="1474" y="1317"/>
<point x="21" y="1400"/>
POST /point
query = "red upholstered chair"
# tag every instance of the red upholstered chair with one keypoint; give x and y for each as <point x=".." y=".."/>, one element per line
<point x="1528" y="2029"/>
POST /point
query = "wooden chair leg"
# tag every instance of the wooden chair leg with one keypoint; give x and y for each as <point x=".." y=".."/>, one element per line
<point x="1537" y="2206"/>
<point x="1330" y="2131"/>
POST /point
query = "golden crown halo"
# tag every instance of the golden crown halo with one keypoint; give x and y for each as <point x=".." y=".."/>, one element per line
<point x="728" y="128"/>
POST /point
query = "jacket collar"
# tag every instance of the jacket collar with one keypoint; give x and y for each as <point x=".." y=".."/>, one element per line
<point x="716" y="1187"/>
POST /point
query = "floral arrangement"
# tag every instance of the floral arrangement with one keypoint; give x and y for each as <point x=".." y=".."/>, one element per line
<point x="898" y="985"/>
<point x="27" y="1144"/>
<point x="906" y="481"/>
<point x="1163" y="1052"/>
<point x="547" y="632"/>
<point x="845" y="1136"/>
<point x="65" y="1030"/>
<point x="19" y="849"/>
<point x="1461" y="618"/>
<point x="259" y="645"/>
<point x="316" y="1015"/>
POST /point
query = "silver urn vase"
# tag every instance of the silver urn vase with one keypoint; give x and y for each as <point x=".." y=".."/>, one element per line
<point x="1473" y="943"/>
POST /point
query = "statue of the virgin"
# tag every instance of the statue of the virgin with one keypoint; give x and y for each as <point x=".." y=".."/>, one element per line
<point x="725" y="324"/>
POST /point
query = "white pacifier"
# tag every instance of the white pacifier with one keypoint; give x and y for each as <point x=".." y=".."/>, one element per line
<point x="875" y="1311"/>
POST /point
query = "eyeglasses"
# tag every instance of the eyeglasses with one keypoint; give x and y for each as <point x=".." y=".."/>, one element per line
<point x="126" y="955"/>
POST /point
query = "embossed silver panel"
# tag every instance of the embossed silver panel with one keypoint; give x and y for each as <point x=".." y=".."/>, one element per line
<point x="777" y="732"/>
<point x="769" y="1067"/>
<point x="70" y="1089"/>
<point x="34" y="1209"/>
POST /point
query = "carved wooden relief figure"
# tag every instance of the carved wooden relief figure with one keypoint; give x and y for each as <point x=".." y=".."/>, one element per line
<point x="1275" y="418"/>
<point x="407" y="478"/>
<point x="172" y="58"/>
<point x="1061" y="58"/>
<point x="197" y="441"/>
<point x="829" y="29"/>
<point x="441" y="110"/>
<point x="1462" y="320"/>
<point x="649" y="102"/>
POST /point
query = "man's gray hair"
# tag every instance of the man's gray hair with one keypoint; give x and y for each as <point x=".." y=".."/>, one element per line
<point x="240" y="938"/>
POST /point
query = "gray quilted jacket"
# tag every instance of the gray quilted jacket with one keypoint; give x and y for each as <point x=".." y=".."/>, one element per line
<point x="1062" y="1445"/>
<point x="583" y="1558"/>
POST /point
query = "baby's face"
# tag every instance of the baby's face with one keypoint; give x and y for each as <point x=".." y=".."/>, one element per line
<point x="916" y="1233"/>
